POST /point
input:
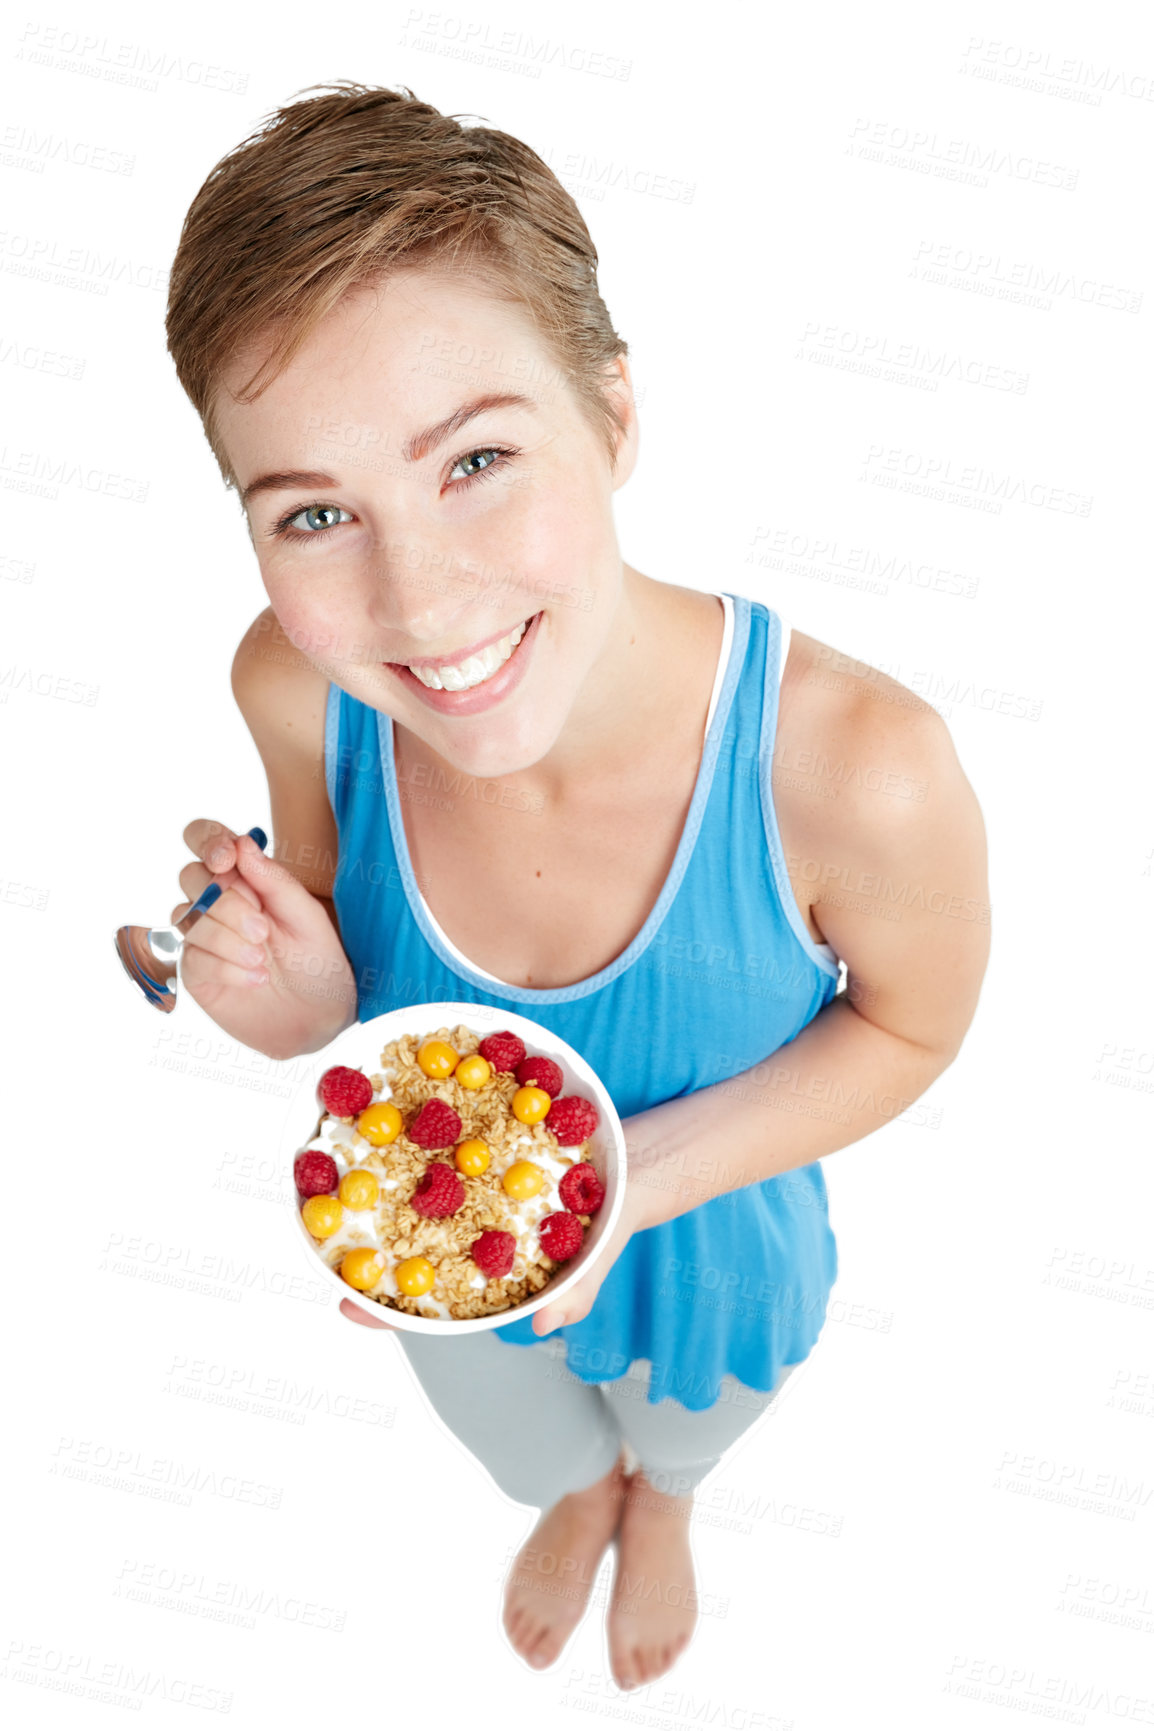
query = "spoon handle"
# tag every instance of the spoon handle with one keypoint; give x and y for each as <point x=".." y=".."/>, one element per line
<point x="211" y="892"/>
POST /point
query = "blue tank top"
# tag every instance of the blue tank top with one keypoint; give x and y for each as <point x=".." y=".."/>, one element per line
<point x="722" y="973"/>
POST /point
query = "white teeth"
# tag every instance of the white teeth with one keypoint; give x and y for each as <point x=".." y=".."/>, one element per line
<point x="463" y="675"/>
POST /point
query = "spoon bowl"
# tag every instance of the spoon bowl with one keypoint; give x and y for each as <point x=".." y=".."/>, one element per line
<point x="151" y="955"/>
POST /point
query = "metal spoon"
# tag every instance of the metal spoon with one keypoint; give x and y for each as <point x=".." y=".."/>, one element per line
<point x="151" y="956"/>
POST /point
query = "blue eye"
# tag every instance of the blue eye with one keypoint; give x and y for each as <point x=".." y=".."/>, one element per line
<point x="333" y="512"/>
<point x="498" y="455"/>
<point x="493" y="452"/>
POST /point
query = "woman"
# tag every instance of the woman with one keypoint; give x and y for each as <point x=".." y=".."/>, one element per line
<point x="505" y="767"/>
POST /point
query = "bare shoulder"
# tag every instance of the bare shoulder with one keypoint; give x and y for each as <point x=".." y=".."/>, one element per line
<point x="283" y="698"/>
<point x="278" y="689"/>
<point x="847" y="734"/>
<point x="835" y="701"/>
<point x="893" y="839"/>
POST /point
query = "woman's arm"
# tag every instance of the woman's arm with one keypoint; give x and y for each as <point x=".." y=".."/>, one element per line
<point x="905" y="903"/>
<point x="282" y="698"/>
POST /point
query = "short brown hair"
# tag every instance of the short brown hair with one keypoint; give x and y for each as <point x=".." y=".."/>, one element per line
<point x="330" y="192"/>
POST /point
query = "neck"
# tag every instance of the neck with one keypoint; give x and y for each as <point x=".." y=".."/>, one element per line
<point x="647" y="691"/>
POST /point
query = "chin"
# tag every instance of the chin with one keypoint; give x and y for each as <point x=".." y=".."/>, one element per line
<point x="497" y="752"/>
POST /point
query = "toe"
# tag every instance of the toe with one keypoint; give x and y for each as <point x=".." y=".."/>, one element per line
<point x="632" y="1670"/>
<point x="537" y="1650"/>
<point x="524" y="1636"/>
<point x="548" y="1651"/>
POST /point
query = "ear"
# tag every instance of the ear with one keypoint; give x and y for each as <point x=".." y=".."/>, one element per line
<point x="619" y="388"/>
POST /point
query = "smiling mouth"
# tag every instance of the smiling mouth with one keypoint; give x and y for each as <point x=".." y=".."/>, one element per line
<point x="473" y="669"/>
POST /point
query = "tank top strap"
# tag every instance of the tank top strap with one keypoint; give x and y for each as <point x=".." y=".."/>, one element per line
<point x="353" y="772"/>
<point x="723" y="658"/>
<point x="786" y="632"/>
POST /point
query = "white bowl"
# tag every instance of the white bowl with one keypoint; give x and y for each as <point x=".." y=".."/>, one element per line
<point x="360" y="1048"/>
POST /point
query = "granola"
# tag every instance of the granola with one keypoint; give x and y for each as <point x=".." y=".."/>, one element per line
<point x="392" y="1234"/>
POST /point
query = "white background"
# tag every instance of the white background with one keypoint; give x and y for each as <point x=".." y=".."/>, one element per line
<point x="947" y="1521"/>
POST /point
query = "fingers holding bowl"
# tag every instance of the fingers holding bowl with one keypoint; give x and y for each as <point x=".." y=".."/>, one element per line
<point x="356" y="1314"/>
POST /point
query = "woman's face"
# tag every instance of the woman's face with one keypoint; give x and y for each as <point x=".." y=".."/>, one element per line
<point x="390" y="538"/>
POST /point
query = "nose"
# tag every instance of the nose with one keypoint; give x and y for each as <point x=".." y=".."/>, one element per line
<point x="422" y="598"/>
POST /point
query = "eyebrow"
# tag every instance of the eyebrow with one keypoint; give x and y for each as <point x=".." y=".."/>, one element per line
<point x="413" y="450"/>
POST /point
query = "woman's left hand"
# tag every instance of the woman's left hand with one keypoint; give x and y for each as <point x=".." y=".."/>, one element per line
<point x="578" y="1301"/>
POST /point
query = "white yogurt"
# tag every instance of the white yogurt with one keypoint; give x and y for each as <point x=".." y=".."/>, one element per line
<point x="362" y="1226"/>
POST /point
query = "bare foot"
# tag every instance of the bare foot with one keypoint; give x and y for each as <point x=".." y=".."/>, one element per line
<point x="653" y="1609"/>
<point x="549" y="1583"/>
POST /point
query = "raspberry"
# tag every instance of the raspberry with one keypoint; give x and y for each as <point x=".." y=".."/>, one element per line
<point x="439" y="1192"/>
<point x="345" y="1092"/>
<point x="504" y="1050"/>
<point x="561" y="1236"/>
<point x="541" y="1073"/>
<point x="493" y="1252"/>
<point x="315" y="1172"/>
<point x="581" y="1190"/>
<point x="572" y="1119"/>
<point x="435" y="1126"/>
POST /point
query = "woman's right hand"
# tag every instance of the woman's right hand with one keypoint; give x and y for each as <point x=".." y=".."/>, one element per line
<point x="265" y="961"/>
<point x="356" y="1314"/>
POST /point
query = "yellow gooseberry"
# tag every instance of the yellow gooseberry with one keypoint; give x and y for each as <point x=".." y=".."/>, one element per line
<point x="522" y="1180"/>
<point x="437" y="1059"/>
<point x="473" y="1071"/>
<point x="359" y="1188"/>
<point x="415" y="1275"/>
<point x="531" y="1104"/>
<point x="380" y="1123"/>
<point x="322" y="1215"/>
<point x="472" y="1157"/>
<point x="362" y="1267"/>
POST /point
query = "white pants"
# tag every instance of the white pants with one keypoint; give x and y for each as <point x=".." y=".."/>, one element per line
<point x="540" y="1432"/>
